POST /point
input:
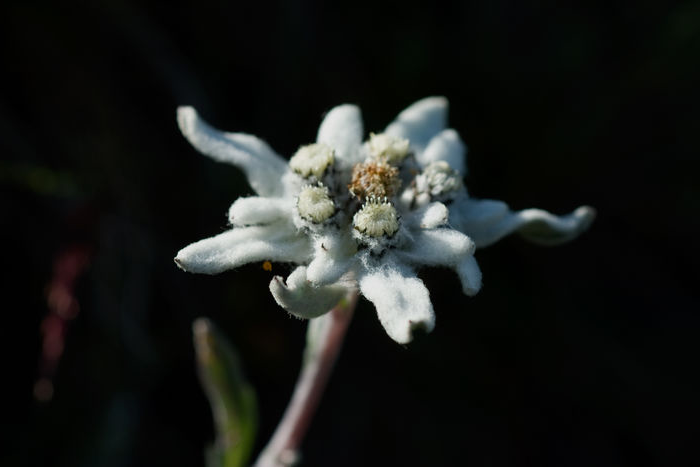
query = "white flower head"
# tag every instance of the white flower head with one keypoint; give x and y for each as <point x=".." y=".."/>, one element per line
<point x="351" y="216"/>
<point x="312" y="159"/>
<point x="388" y="148"/>
<point x="376" y="218"/>
<point x="314" y="204"/>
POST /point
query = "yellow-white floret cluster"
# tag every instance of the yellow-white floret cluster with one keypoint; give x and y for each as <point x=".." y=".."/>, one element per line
<point x="376" y="218"/>
<point x="388" y="148"/>
<point x="314" y="204"/>
<point x="312" y="159"/>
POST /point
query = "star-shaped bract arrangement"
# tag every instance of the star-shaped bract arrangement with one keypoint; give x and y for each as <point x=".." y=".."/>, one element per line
<point x="362" y="215"/>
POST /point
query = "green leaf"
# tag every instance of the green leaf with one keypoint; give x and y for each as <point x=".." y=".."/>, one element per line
<point x="231" y="397"/>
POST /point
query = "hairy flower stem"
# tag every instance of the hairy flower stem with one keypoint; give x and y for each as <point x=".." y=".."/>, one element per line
<point x="324" y="340"/>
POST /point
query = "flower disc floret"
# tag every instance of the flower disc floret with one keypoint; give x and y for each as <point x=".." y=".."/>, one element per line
<point x="376" y="218"/>
<point x="438" y="178"/>
<point x="315" y="204"/>
<point x="312" y="160"/>
<point x="374" y="179"/>
<point x="388" y="148"/>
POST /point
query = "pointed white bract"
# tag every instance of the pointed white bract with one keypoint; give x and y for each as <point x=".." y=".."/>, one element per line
<point x="258" y="210"/>
<point x="354" y="215"/>
<point x="402" y="301"/>
<point x="303" y="300"/>
<point x="469" y="275"/>
<point x="261" y="164"/>
<point x="334" y="254"/>
<point x="446" y="146"/>
<point x="420" y="122"/>
<point x="342" y="130"/>
<point x="233" y="248"/>
<point x="487" y="221"/>
<point x="437" y="247"/>
<point x="429" y="216"/>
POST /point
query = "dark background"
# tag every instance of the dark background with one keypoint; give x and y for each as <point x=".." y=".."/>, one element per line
<point x="579" y="355"/>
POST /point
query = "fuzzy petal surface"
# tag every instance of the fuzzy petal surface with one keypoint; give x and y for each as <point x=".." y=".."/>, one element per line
<point x="342" y="130"/>
<point x="437" y="247"/>
<point x="401" y="299"/>
<point x="487" y="221"/>
<point x="334" y="255"/>
<point x="420" y="121"/>
<point x="262" y="166"/>
<point x="302" y="299"/>
<point x="446" y="146"/>
<point x="470" y="275"/>
<point x="429" y="216"/>
<point x="255" y="210"/>
<point x="243" y="245"/>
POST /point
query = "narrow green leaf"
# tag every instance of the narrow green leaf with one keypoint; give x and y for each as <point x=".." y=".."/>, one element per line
<point x="231" y="397"/>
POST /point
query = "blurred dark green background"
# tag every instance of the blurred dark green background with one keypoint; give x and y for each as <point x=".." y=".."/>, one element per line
<point x="580" y="355"/>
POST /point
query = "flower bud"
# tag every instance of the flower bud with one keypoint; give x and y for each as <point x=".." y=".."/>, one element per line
<point x="312" y="159"/>
<point x="314" y="204"/>
<point x="376" y="218"/>
<point x="388" y="148"/>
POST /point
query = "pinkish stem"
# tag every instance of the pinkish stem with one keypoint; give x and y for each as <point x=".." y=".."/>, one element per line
<point x="322" y="348"/>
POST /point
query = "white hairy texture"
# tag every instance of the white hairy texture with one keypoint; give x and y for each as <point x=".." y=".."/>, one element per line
<point x="401" y="299"/>
<point x="304" y="225"/>
<point x="448" y="147"/>
<point x="476" y="212"/>
<point x="258" y="210"/>
<point x="437" y="247"/>
<point x="262" y="166"/>
<point x="376" y="219"/>
<point x="342" y="130"/>
<point x="302" y="299"/>
<point x="487" y="221"/>
<point x="389" y="148"/>
<point x="312" y="159"/>
<point x="420" y="122"/>
<point x="314" y="204"/>
<point x="470" y="275"/>
<point x="334" y="255"/>
<point x="428" y="216"/>
<point x="238" y="246"/>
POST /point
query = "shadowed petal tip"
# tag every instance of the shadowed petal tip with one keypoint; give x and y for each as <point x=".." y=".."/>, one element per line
<point x="587" y="214"/>
<point x="186" y="117"/>
<point x="418" y="327"/>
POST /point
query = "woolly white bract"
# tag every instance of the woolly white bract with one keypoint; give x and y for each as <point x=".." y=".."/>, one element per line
<point x="362" y="215"/>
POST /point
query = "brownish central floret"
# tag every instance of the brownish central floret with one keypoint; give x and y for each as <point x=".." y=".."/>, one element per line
<point x="373" y="178"/>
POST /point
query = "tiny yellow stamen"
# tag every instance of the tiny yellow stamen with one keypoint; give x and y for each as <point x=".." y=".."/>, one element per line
<point x="267" y="266"/>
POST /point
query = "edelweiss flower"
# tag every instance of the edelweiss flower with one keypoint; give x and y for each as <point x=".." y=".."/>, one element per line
<point x="354" y="215"/>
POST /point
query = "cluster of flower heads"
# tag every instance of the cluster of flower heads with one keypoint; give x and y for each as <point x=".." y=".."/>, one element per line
<point x="354" y="214"/>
